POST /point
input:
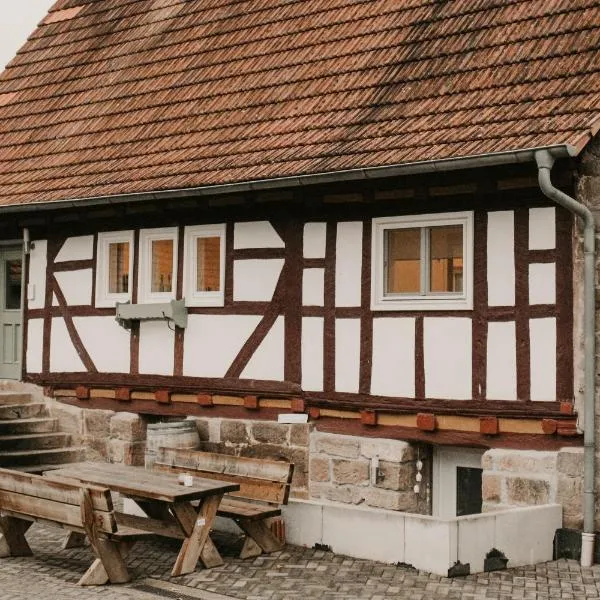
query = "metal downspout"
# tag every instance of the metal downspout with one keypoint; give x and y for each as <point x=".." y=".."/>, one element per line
<point x="545" y="162"/>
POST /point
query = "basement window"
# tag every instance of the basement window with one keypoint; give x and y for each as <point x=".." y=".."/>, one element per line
<point x="422" y="262"/>
<point x="158" y="265"/>
<point x="204" y="265"/>
<point x="115" y="265"/>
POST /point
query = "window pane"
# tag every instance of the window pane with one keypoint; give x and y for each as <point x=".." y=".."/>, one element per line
<point x="403" y="260"/>
<point x="162" y="266"/>
<point x="468" y="491"/>
<point x="118" y="268"/>
<point x="208" y="264"/>
<point x="12" y="289"/>
<point x="446" y="258"/>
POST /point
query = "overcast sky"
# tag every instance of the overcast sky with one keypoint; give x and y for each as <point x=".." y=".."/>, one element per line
<point x="19" y="18"/>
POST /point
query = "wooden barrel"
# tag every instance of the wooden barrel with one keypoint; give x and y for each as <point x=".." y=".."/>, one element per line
<point x="170" y="434"/>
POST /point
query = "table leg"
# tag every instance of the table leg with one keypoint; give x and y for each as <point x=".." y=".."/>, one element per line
<point x="210" y="556"/>
<point x="110" y="564"/>
<point x="12" y="541"/>
<point x="73" y="539"/>
<point x="195" y="541"/>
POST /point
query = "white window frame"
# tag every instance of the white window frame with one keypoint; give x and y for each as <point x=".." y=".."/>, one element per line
<point x="105" y="299"/>
<point x="192" y="296"/>
<point x="417" y="302"/>
<point x="147" y="236"/>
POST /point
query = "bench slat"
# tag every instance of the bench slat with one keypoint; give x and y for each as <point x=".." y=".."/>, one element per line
<point x="238" y="509"/>
<point x="51" y="489"/>
<point x="50" y="510"/>
<point x="255" y="468"/>
<point x="252" y="489"/>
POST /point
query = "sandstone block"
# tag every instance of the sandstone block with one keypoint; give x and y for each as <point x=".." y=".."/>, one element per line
<point x="389" y="450"/>
<point x="299" y="434"/>
<point x="96" y="449"/>
<point x="518" y="461"/>
<point x="319" y="469"/>
<point x="527" y="491"/>
<point x="491" y="488"/>
<point x="343" y="494"/>
<point x="127" y="453"/>
<point x="390" y="500"/>
<point x="234" y="432"/>
<point x="96" y="423"/>
<point x="336" y="445"/>
<point x="128" y="426"/>
<point x="487" y="460"/>
<point x="70" y="418"/>
<point x="351" y="472"/>
<point x="570" y="462"/>
<point x="270" y="433"/>
<point x="202" y="427"/>
<point x="397" y="476"/>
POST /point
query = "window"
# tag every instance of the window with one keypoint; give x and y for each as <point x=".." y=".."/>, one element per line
<point x="204" y="265"/>
<point x="115" y="263"/>
<point x="422" y="262"/>
<point x="158" y="265"/>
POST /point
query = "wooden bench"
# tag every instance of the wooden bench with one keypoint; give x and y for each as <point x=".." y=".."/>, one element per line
<point x="264" y="487"/>
<point x="85" y="509"/>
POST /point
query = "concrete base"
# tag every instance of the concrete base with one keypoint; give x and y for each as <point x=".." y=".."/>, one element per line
<point x="523" y="535"/>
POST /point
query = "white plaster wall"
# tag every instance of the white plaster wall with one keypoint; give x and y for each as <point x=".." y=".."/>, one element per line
<point x="267" y="362"/>
<point x="76" y="248"/>
<point x="313" y="287"/>
<point x="255" y="280"/>
<point x="393" y="367"/>
<point x="501" y="361"/>
<point x="542" y="344"/>
<point x="76" y="287"/>
<point x="212" y="342"/>
<point x="347" y="355"/>
<point x="447" y="343"/>
<point x="107" y="343"/>
<point x="256" y="234"/>
<point x="501" y="258"/>
<point x="36" y="292"/>
<point x="314" y="240"/>
<point x="312" y="354"/>
<point x="542" y="283"/>
<point x="157" y="348"/>
<point x="348" y="264"/>
<point x="35" y="339"/>
<point x="542" y="228"/>
<point x="63" y="356"/>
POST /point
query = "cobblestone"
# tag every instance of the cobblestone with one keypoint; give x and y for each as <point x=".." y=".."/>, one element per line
<point x="293" y="574"/>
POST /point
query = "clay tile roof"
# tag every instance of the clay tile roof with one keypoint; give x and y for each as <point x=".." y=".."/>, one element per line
<point x="109" y="97"/>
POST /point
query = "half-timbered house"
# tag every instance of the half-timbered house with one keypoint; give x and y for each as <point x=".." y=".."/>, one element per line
<point x="239" y="210"/>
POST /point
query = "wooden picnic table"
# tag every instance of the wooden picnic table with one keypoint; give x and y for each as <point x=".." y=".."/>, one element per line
<point x="167" y="504"/>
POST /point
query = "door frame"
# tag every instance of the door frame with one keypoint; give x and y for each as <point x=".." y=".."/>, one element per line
<point x="18" y="245"/>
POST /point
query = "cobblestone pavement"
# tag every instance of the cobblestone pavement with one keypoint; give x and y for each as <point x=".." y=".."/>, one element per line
<point x="294" y="573"/>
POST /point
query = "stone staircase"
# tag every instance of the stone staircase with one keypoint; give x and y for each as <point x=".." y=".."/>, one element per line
<point x="29" y="436"/>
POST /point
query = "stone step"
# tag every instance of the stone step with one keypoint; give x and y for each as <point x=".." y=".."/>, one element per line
<point x="23" y="411"/>
<point x="9" y="459"/>
<point x="36" y="425"/>
<point x="34" y="441"/>
<point x="7" y="397"/>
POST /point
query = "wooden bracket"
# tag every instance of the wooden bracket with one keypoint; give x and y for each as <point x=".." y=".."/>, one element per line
<point x="251" y="402"/>
<point x="549" y="426"/>
<point x="162" y="396"/>
<point x="297" y="405"/>
<point x="123" y="394"/>
<point x="314" y="412"/>
<point x="368" y="417"/>
<point x="426" y="421"/>
<point x="488" y="425"/>
<point x="566" y="408"/>
<point x="82" y="392"/>
<point x="204" y="399"/>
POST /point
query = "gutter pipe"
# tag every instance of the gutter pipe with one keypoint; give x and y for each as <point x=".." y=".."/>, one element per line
<point x="545" y="162"/>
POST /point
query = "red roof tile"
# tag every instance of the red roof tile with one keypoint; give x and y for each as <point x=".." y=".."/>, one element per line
<point x="112" y="97"/>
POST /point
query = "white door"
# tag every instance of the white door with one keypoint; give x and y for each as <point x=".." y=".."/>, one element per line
<point x="456" y="481"/>
<point x="10" y="312"/>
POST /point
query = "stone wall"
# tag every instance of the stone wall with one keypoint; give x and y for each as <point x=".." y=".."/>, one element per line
<point x="373" y="472"/>
<point x="513" y="478"/>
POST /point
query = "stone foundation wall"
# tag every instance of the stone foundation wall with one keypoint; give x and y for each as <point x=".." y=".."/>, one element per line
<point x="373" y="472"/>
<point x="513" y="478"/>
